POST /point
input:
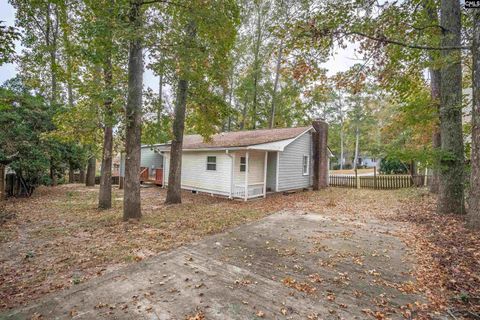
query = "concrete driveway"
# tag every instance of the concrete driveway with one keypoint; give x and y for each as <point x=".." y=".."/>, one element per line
<point x="286" y="266"/>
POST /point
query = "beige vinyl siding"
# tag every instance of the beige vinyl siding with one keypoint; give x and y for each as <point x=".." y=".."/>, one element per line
<point x="272" y="171"/>
<point x="256" y="160"/>
<point x="290" y="172"/>
<point x="195" y="175"/>
<point x="149" y="158"/>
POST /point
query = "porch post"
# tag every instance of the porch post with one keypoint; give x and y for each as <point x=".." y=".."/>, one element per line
<point x="232" y="176"/>
<point x="246" y="176"/>
<point x="164" y="161"/>
<point x="265" y="175"/>
<point x="277" y="171"/>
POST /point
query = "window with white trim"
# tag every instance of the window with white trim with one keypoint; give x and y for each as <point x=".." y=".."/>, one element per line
<point x="211" y="163"/>
<point x="305" y="165"/>
<point x="243" y="164"/>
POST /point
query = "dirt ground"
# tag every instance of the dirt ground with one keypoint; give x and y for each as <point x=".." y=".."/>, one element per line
<point x="286" y="266"/>
<point x="333" y="254"/>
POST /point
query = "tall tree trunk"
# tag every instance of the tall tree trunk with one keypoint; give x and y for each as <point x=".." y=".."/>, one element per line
<point x="133" y="115"/>
<point x="436" y="144"/>
<point x="53" y="176"/>
<point x="357" y="143"/>
<point x="341" y="145"/>
<point x="474" y="193"/>
<point x="435" y="86"/>
<point x="160" y="101"/>
<point x="160" y="87"/>
<point x="175" y="171"/>
<point x="244" y="115"/>
<point x="413" y="168"/>
<point x="63" y="18"/>
<point x="256" y="67"/>
<point x="224" y="121"/>
<point x="105" y="194"/>
<point x="51" y="42"/>
<point x="3" y="195"/>
<point x="275" y="85"/>
<point x="71" y="174"/>
<point x="82" y="174"/>
<point x="451" y="185"/>
<point x="230" y="100"/>
<point x="90" y="181"/>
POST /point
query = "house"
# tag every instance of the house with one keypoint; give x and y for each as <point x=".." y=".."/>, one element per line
<point x="248" y="164"/>
<point x="368" y="162"/>
<point x="151" y="164"/>
<point x="363" y="161"/>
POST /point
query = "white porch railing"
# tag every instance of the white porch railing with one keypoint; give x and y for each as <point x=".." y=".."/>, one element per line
<point x="254" y="190"/>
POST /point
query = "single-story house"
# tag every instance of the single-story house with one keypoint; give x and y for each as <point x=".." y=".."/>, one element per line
<point x="368" y="162"/>
<point x="363" y="160"/>
<point x="246" y="164"/>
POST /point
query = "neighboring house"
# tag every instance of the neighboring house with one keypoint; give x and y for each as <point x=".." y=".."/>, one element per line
<point x="368" y="162"/>
<point x="244" y="164"/>
<point x="151" y="164"/>
<point x="362" y="160"/>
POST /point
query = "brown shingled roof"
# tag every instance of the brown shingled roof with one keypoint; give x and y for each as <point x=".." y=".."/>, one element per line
<point x="242" y="138"/>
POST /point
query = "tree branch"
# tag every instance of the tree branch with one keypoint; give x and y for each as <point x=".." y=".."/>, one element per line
<point x="163" y="1"/>
<point x="383" y="39"/>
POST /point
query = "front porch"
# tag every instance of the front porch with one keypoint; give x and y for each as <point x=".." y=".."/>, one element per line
<point x="151" y="175"/>
<point x="253" y="173"/>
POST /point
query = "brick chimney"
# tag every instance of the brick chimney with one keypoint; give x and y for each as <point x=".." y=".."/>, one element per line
<point x="320" y="154"/>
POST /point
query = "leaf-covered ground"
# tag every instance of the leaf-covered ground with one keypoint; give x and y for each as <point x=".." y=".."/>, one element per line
<point x="58" y="238"/>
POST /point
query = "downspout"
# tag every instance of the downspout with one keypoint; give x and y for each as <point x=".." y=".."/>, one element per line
<point x="231" y="173"/>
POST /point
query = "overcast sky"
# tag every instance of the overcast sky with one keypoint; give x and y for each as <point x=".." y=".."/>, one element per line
<point x="340" y="61"/>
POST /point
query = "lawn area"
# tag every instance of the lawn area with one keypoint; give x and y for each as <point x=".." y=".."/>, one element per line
<point x="58" y="238"/>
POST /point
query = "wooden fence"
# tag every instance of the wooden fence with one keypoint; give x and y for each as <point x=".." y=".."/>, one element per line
<point x="378" y="181"/>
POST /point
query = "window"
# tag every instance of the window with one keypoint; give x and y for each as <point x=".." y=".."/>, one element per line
<point x="243" y="164"/>
<point x="306" y="165"/>
<point x="211" y="163"/>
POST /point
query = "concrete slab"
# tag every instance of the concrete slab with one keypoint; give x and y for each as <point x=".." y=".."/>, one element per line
<point x="286" y="266"/>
